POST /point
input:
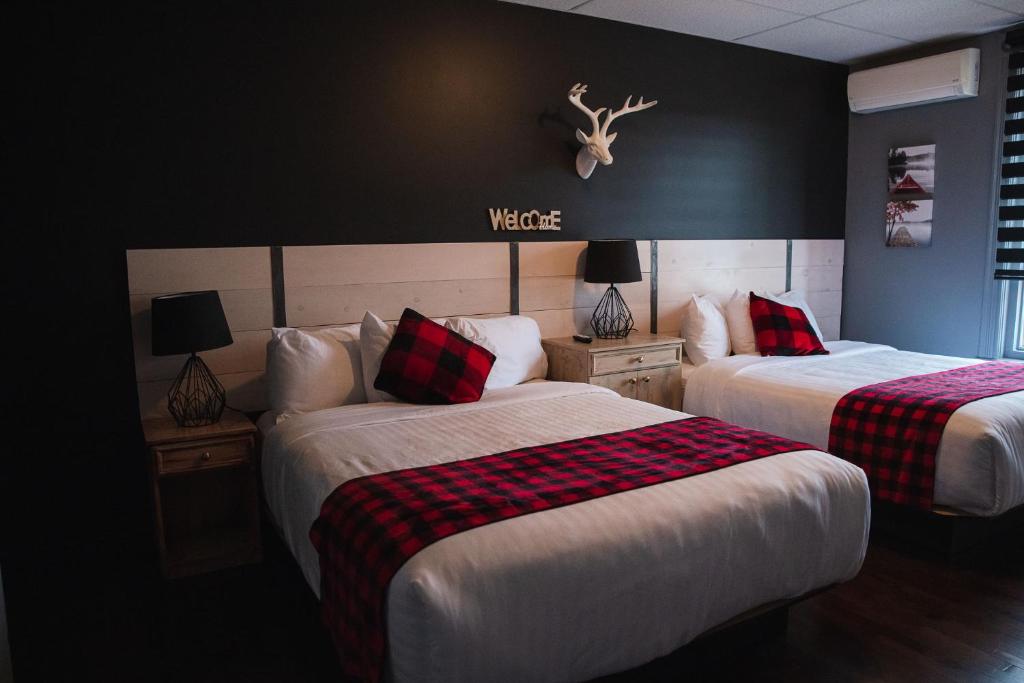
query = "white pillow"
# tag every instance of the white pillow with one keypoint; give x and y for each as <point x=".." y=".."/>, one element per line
<point x="796" y="299"/>
<point x="705" y="330"/>
<point x="311" y="370"/>
<point x="741" y="329"/>
<point x="514" y="339"/>
<point x="374" y="337"/>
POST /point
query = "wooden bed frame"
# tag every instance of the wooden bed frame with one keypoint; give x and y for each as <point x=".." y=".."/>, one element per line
<point x="956" y="536"/>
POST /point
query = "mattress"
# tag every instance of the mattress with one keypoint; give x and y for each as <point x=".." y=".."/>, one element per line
<point x="583" y="590"/>
<point x="980" y="461"/>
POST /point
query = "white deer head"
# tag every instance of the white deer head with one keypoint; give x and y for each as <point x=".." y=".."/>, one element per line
<point x="595" y="146"/>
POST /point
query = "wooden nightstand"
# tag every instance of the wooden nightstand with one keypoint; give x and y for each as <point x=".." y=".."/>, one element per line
<point x="641" y="366"/>
<point x="205" y="494"/>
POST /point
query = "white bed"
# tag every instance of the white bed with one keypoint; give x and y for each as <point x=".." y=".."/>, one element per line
<point x="583" y="590"/>
<point x="980" y="462"/>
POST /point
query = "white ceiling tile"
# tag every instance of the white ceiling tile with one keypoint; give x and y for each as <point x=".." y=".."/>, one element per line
<point x="808" y="7"/>
<point x="1016" y="6"/>
<point x="548" y="4"/>
<point x="920" y="20"/>
<point x="722" y="19"/>
<point x="823" y="40"/>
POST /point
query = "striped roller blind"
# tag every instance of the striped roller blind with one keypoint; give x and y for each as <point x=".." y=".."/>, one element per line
<point x="1010" y="253"/>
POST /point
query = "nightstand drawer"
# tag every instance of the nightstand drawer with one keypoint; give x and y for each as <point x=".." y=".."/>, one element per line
<point x="606" y="363"/>
<point x="202" y="456"/>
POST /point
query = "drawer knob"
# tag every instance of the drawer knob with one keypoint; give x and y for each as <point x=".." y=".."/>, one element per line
<point x="206" y="455"/>
<point x="647" y="379"/>
<point x="632" y="380"/>
<point x="640" y="359"/>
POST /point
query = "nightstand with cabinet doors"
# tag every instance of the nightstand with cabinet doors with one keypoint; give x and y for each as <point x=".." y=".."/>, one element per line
<point x="641" y="366"/>
<point x="205" y="494"/>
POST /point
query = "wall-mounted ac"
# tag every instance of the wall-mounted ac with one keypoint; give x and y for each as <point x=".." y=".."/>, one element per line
<point x="949" y="76"/>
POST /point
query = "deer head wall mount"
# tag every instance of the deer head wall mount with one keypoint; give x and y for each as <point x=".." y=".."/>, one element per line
<point x="595" y="146"/>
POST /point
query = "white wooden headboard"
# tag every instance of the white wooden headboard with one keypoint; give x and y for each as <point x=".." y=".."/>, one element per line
<point x="331" y="285"/>
<point x="242" y="276"/>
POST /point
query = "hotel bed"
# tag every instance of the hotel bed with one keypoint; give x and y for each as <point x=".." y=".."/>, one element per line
<point x="582" y="590"/>
<point x="980" y="461"/>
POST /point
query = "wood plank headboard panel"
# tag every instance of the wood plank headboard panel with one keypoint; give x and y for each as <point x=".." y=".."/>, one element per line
<point x="552" y="290"/>
<point x="323" y="285"/>
<point x="335" y="285"/>
<point x="719" y="267"/>
<point x="242" y="276"/>
<point x="818" y="272"/>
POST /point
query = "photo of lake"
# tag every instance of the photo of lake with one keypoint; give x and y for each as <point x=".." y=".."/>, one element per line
<point x="908" y="223"/>
<point x="912" y="170"/>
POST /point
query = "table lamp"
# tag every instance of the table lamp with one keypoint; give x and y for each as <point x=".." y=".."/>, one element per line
<point x="189" y="322"/>
<point x="612" y="261"/>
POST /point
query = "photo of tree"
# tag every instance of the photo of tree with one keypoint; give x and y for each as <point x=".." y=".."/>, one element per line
<point x="908" y="223"/>
<point x="911" y="180"/>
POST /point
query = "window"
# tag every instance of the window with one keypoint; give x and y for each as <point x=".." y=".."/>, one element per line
<point x="1013" y="339"/>
<point x="1010" y="251"/>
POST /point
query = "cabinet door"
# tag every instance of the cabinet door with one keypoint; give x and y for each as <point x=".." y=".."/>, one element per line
<point x="662" y="386"/>
<point x="623" y="383"/>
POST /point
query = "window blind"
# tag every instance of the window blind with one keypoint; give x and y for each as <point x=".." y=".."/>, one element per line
<point x="1010" y="251"/>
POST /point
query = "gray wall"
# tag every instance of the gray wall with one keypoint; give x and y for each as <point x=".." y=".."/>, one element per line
<point x="926" y="299"/>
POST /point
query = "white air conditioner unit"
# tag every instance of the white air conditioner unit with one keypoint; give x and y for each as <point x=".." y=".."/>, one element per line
<point x="949" y="76"/>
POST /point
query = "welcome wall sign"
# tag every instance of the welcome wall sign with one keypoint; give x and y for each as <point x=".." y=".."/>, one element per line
<point x="503" y="219"/>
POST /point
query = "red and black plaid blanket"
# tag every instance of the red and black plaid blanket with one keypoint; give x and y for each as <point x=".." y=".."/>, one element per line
<point x="892" y="429"/>
<point x="368" y="527"/>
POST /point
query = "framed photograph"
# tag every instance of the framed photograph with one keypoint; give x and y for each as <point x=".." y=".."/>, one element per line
<point x="908" y="212"/>
<point x="908" y="223"/>
<point x="912" y="170"/>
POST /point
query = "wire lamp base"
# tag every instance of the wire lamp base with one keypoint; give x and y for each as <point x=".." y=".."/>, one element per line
<point x="612" y="319"/>
<point x="197" y="397"/>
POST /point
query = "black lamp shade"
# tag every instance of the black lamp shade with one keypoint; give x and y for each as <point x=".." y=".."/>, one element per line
<point x="612" y="261"/>
<point x="188" y="322"/>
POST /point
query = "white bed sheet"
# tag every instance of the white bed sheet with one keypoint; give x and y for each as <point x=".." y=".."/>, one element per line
<point x="583" y="590"/>
<point x="686" y="368"/>
<point x="980" y="462"/>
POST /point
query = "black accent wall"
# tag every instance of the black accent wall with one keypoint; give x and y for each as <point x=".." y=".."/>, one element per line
<point x="262" y="123"/>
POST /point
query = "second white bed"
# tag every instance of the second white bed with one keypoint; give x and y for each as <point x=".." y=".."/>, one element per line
<point x="980" y="462"/>
<point x="583" y="590"/>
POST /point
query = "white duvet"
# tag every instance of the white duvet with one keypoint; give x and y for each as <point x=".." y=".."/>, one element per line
<point x="980" y="462"/>
<point x="586" y="589"/>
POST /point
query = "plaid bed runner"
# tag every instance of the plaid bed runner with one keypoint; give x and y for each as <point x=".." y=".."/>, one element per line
<point x="892" y="429"/>
<point x="368" y="527"/>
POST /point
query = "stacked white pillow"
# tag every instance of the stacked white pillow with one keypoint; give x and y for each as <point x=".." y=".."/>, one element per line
<point x="374" y="337"/>
<point x="741" y="328"/>
<point x="514" y="340"/>
<point x="704" y="330"/>
<point x="311" y="370"/>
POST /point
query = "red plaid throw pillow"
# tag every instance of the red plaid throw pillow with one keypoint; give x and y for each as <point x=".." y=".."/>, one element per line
<point x="428" y="363"/>
<point x="783" y="330"/>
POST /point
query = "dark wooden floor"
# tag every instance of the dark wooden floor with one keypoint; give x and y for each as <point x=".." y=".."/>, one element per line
<point x="907" y="617"/>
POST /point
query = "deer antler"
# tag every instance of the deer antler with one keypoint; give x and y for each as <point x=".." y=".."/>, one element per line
<point x="626" y="109"/>
<point x="576" y="97"/>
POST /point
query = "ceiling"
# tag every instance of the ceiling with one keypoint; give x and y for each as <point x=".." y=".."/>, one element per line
<point x="834" y="30"/>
